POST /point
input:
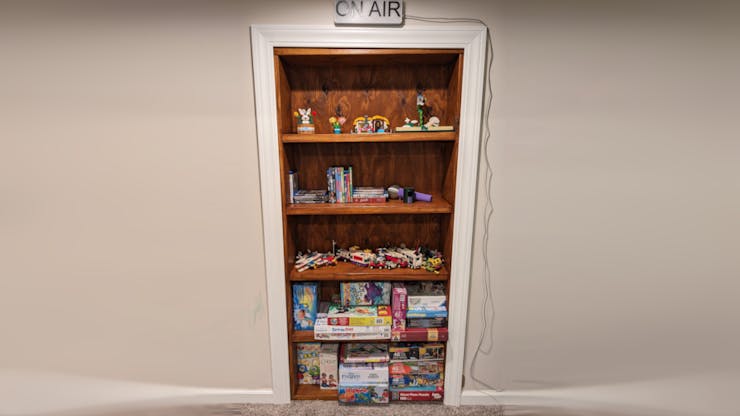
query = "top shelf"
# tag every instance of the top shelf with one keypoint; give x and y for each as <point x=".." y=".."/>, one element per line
<point x="441" y="136"/>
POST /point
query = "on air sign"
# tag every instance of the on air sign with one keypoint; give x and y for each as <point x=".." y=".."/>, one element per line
<point x="368" y="12"/>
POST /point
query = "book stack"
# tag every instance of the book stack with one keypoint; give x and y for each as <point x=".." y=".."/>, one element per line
<point x="339" y="184"/>
<point x="306" y="196"/>
<point x="416" y="371"/>
<point x="363" y="374"/>
<point x="354" y="323"/>
<point x="368" y="194"/>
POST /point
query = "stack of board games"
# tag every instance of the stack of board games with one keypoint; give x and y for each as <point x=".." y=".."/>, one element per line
<point x="354" y="323"/>
<point x="308" y="362"/>
<point x="419" y="312"/>
<point x="369" y="194"/>
<point x="416" y="371"/>
<point x="363" y="374"/>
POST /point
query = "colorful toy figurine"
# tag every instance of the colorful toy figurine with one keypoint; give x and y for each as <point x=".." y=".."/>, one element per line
<point x="420" y="102"/>
<point x="336" y="123"/>
<point x="304" y="120"/>
<point x="374" y="124"/>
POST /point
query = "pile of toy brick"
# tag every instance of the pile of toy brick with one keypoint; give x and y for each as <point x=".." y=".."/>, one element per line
<point x="380" y="258"/>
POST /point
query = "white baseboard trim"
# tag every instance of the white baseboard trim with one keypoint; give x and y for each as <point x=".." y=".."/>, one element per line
<point x="480" y="398"/>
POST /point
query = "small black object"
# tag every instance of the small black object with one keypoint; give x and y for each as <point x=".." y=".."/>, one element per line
<point x="408" y="195"/>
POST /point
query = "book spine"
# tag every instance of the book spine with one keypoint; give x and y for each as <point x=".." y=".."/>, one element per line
<point x="351" y="186"/>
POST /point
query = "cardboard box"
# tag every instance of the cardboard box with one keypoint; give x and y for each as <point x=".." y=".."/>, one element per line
<point x="363" y="374"/>
<point x="414" y="396"/>
<point x="307" y="361"/>
<point x="378" y="394"/>
<point x="329" y="366"/>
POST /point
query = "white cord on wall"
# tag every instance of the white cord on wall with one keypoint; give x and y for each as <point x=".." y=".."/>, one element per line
<point x="489" y="312"/>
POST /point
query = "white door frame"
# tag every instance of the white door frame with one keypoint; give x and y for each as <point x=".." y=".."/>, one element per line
<point x="470" y="38"/>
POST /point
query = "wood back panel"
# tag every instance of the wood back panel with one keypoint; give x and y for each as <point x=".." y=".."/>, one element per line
<point x="418" y="164"/>
<point x="354" y="91"/>
<point x="366" y="231"/>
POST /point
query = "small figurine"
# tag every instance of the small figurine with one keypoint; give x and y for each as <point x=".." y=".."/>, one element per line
<point x="380" y="124"/>
<point x="304" y="120"/>
<point x="362" y="125"/>
<point x="407" y="122"/>
<point x="336" y="123"/>
<point x="433" y="122"/>
<point x="420" y="102"/>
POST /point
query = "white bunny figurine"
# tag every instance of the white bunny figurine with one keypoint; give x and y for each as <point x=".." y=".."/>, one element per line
<point x="305" y="115"/>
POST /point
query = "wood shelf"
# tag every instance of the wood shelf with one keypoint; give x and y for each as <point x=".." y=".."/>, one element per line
<point x="349" y="272"/>
<point x="433" y="136"/>
<point x="307" y="336"/>
<point x="313" y="392"/>
<point x="395" y="206"/>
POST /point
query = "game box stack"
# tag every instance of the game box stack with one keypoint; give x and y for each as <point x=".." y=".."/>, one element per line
<point x="419" y="312"/>
<point x="363" y="374"/>
<point x="363" y="313"/>
<point x="416" y="371"/>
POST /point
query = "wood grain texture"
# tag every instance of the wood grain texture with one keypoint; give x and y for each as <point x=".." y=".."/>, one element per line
<point x="437" y="206"/>
<point x="417" y="164"/>
<point x="445" y="136"/>
<point x="357" y="90"/>
<point x="366" y="231"/>
<point x="349" y="272"/>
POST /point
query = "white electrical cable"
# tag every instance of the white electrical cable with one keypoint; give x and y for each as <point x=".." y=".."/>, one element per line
<point x="488" y="304"/>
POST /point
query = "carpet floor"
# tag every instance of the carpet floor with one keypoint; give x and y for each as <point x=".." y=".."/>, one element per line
<point x="308" y="408"/>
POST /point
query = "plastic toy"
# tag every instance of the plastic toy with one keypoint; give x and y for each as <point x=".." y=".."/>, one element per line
<point x="304" y="121"/>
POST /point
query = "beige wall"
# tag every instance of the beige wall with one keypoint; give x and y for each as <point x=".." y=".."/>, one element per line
<point x="130" y="231"/>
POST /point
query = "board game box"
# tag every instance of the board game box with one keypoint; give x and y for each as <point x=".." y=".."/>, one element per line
<point x="364" y="353"/>
<point x="372" y="311"/>
<point x="413" y="395"/>
<point x="416" y="351"/>
<point x="425" y="382"/>
<point x="378" y="394"/>
<point x="363" y="374"/>
<point x="420" y="334"/>
<point x="328" y="364"/>
<point x="308" y="363"/>
<point x="365" y="293"/>
<point x="305" y="305"/>
<point x="426" y="323"/>
<point x="417" y="367"/>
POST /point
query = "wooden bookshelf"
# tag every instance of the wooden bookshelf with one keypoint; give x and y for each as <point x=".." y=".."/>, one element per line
<point x="349" y="272"/>
<point x="307" y="336"/>
<point x="313" y="392"/>
<point x="438" y="205"/>
<point x="355" y="83"/>
<point x="440" y="136"/>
